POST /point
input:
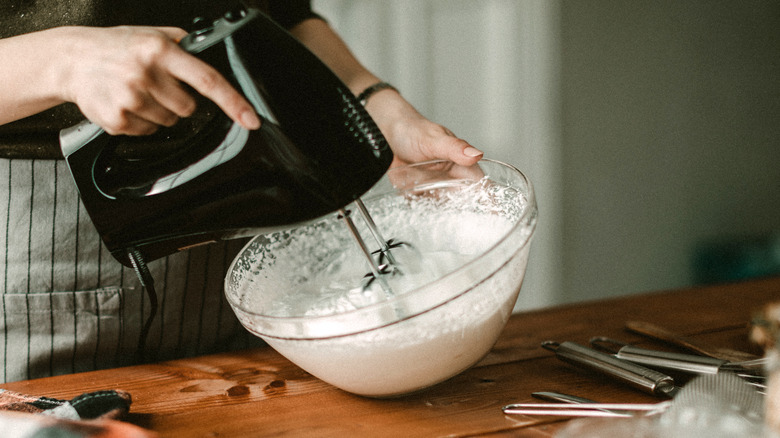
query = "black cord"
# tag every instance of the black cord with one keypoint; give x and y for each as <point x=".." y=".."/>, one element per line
<point x="147" y="282"/>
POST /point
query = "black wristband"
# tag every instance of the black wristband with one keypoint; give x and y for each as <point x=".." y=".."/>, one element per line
<point x="368" y="92"/>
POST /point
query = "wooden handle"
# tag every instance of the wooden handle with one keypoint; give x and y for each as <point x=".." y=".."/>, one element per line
<point x="659" y="333"/>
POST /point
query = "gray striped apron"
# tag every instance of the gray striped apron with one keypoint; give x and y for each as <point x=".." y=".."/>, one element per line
<point x="68" y="306"/>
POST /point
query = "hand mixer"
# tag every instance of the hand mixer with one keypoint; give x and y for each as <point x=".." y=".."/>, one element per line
<point x="208" y="179"/>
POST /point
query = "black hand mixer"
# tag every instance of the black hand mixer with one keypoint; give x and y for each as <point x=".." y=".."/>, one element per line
<point x="206" y="178"/>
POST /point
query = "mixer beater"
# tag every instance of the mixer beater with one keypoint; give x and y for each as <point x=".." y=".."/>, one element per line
<point x="385" y="263"/>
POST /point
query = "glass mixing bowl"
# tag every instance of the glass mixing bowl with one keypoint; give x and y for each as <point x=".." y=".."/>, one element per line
<point x="460" y="237"/>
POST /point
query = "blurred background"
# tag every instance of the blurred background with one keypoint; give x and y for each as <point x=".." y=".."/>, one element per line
<point x="651" y="130"/>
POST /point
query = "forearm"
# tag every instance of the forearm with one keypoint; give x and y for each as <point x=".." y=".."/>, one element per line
<point x="318" y="36"/>
<point x="127" y="79"/>
<point x="386" y="106"/>
<point x="411" y="136"/>
<point x="30" y="74"/>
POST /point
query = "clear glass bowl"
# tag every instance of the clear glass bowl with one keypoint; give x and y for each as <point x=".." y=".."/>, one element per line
<point x="467" y="233"/>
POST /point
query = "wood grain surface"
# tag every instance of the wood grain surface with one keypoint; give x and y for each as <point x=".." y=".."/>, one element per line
<point x="257" y="392"/>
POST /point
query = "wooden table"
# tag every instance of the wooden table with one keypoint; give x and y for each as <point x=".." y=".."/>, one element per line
<point x="259" y="393"/>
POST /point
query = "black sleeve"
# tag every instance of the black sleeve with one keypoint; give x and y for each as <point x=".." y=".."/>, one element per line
<point x="288" y="13"/>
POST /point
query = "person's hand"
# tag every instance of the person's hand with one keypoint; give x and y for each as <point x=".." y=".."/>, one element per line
<point x="414" y="138"/>
<point x="418" y="139"/>
<point x="128" y="79"/>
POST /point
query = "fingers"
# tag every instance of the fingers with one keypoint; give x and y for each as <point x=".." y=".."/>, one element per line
<point x="134" y="82"/>
<point x="169" y="94"/>
<point x="204" y="79"/>
<point x="449" y="147"/>
<point x="139" y="113"/>
<point x="458" y="150"/>
<point x="207" y="81"/>
<point x="414" y="138"/>
<point x="129" y="124"/>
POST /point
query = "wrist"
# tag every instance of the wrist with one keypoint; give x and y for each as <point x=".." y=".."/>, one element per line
<point x="65" y="53"/>
<point x="391" y="112"/>
<point x="369" y="91"/>
<point x="385" y="104"/>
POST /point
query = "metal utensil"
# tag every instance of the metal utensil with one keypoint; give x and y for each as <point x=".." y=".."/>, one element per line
<point x="561" y="398"/>
<point x="640" y="377"/>
<point x="661" y="334"/>
<point x="386" y="264"/>
<point x="587" y="409"/>
<point x="680" y="362"/>
<point x="662" y="359"/>
<point x="675" y="361"/>
<point x="705" y="400"/>
<point x="558" y="397"/>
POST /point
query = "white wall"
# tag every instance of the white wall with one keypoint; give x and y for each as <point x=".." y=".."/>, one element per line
<point x="647" y="127"/>
<point x="486" y="70"/>
<point x="671" y="136"/>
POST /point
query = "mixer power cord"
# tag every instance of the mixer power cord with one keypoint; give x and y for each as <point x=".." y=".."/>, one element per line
<point x="147" y="282"/>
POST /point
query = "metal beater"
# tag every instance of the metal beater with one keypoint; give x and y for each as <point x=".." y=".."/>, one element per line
<point x="385" y="263"/>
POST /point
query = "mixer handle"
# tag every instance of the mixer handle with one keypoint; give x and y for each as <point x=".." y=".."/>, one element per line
<point x="118" y="173"/>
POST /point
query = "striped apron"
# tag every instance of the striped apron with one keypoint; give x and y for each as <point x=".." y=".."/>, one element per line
<point x="67" y="306"/>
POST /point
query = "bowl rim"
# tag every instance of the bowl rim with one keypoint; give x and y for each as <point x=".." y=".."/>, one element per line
<point x="528" y="219"/>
